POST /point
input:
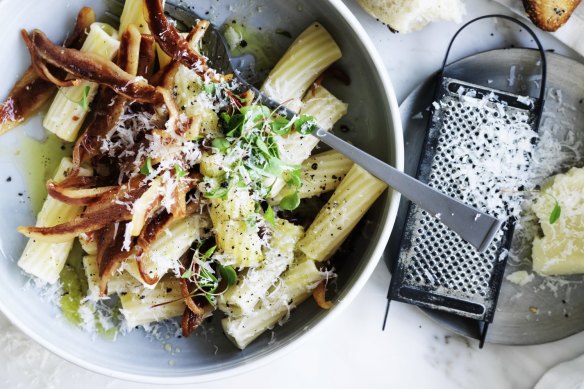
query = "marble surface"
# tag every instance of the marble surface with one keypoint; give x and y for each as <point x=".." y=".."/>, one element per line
<point x="352" y="351"/>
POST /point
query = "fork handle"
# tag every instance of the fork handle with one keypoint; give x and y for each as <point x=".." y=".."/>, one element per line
<point x="471" y="224"/>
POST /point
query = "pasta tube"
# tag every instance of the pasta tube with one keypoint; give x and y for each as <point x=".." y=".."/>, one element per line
<point x="320" y="173"/>
<point x="119" y="283"/>
<point x="295" y="147"/>
<point x="45" y="260"/>
<point x="296" y="286"/>
<point x="133" y="13"/>
<point x="235" y="232"/>
<point x="88" y="244"/>
<point x="341" y="213"/>
<point x="167" y="248"/>
<point x="311" y="53"/>
<point x="252" y="287"/>
<point x="140" y="309"/>
<point x="71" y="104"/>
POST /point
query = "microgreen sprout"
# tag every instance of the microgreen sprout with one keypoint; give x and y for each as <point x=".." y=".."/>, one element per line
<point x="84" y="98"/>
<point x="556" y="210"/>
<point x="146" y="168"/>
<point x="179" y="171"/>
<point x="269" y="215"/>
<point x="290" y="202"/>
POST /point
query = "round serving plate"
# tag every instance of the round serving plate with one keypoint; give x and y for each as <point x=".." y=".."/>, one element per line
<point x="546" y="308"/>
<point x="373" y="123"/>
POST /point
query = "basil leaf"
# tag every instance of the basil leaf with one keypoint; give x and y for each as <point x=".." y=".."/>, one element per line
<point x="290" y="202"/>
<point x="228" y="274"/>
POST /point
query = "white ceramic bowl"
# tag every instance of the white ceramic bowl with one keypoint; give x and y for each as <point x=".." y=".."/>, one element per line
<point x="374" y="125"/>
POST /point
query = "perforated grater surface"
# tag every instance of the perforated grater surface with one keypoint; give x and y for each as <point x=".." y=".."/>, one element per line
<point x="435" y="269"/>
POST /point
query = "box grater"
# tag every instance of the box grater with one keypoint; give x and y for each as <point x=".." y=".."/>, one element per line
<point x="435" y="269"/>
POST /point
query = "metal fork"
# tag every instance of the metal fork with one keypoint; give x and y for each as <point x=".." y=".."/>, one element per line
<point x="471" y="224"/>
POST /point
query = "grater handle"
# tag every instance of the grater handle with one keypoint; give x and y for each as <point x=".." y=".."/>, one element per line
<point x="542" y="90"/>
<point x="471" y="224"/>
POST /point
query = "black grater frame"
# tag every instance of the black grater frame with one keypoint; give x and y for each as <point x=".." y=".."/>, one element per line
<point x="399" y="291"/>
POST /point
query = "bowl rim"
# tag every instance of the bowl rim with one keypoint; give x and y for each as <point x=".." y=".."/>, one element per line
<point x="394" y="198"/>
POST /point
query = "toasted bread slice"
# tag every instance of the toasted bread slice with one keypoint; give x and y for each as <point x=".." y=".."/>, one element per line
<point x="549" y="15"/>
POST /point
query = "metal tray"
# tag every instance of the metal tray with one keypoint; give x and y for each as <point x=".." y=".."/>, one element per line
<point x="547" y="308"/>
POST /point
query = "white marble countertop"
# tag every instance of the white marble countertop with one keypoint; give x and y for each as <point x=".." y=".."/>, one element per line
<point x="352" y="351"/>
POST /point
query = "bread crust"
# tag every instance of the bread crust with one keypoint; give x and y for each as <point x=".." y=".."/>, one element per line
<point x="549" y="15"/>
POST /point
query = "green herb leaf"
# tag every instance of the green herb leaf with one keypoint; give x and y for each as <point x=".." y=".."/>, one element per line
<point x="146" y="168"/>
<point x="83" y="103"/>
<point x="225" y="116"/>
<point x="290" y="202"/>
<point x="228" y="274"/>
<point x="187" y="274"/>
<point x="293" y="178"/>
<point x="280" y="125"/>
<point x="234" y="125"/>
<point x="305" y="124"/>
<point x="217" y="193"/>
<point x="221" y="143"/>
<point x="250" y="221"/>
<point x="262" y="146"/>
<point x="274" y="167"/>
<point x="269" y="215"/>
<point x="179" y="171"/>
<point x="209" y="88"/>
<point x="556" y="212"/>
<point x="208" y="253"/>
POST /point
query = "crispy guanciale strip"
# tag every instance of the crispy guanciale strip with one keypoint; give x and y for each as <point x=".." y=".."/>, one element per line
<point x="191" y="321"/>
<point x="319" y="295"/>
<point x="109" y="209"/>
<point x="110" y="252"/>
<point x="172" y="42"/>
<point x="91" y="67"/>
<point x="78" y="196"/>
<point x="195" y="312"/>
<point x="155" y="227"/>
<point x="147" y="56"/>
<point x="109" y="106"/>
<point x="31" y="91"/>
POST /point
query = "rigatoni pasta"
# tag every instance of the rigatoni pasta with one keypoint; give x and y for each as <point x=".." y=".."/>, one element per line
<point x="192" y="203"/>
<point x="71" y="105"/>
<point x="341" y="213"/>
<point x="310" y="55"/>
<point x="45" y="260"/>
